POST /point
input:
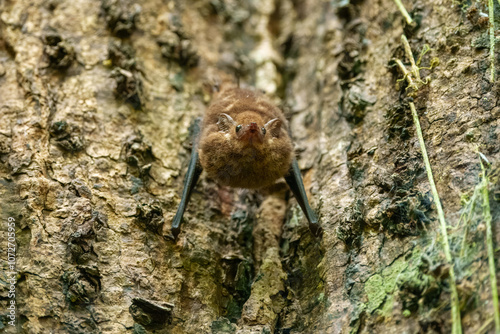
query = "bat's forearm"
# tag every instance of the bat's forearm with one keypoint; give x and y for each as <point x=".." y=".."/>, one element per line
<point x="192" y="176"/>
<point x="294" y="180"/>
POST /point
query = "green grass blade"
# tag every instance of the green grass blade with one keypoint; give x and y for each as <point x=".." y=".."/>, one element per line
<point x="489" y="244"/>
<point x="455" y="307"/>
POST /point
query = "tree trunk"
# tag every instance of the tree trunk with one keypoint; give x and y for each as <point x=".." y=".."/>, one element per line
<point x="96" y="103"/>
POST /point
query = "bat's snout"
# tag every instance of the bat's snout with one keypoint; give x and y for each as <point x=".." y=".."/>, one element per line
<point x="253" y="128"/>
<point x="252" y="133"/>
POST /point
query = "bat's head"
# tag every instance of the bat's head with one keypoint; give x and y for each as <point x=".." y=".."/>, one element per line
<point x="248" y="128"/>
<point x="245" y="142"/>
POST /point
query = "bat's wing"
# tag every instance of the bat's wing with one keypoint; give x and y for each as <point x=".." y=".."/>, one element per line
<point x="294" y="180"/>
<point x="192" y="176"/>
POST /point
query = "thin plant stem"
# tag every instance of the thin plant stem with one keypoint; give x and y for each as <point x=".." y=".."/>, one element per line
<point x="410" y="76"/>
<point x="492" y="41"/>
<point x="403" y="11"/>
<point x="414" y="68"/>
<point x="489" y="244"/>
<point x="485" y="326"/>
<point x="467" y="215"/>
<point x="455" y="307"/>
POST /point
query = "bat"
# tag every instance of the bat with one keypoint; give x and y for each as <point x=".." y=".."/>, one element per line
<point x="244" y="142"/>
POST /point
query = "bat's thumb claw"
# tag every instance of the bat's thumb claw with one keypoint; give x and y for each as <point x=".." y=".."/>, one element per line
<point x="176" y="231"/>
<point x="176" y="223"/>
<point x="315" y="229"/>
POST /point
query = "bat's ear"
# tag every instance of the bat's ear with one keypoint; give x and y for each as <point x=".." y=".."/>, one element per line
<point x="225" y="122"/>
<point x="274" y="127"/>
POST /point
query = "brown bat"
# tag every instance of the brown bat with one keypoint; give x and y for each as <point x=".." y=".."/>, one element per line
<point x="244" y="142"/>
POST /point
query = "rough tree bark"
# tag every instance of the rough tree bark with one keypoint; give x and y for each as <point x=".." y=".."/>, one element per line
<point x="96" y="100"/>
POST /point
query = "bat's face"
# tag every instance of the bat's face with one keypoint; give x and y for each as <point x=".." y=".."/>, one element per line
<point x="250" y="133"/>
<point x="248" y="128"/>
<point x="244" y="142"/>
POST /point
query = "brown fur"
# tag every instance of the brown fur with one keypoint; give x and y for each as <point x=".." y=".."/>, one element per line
<point x="238" y="163"/>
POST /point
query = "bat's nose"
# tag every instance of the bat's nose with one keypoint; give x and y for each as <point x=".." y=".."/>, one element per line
<point x="253" y="127"/>
<point x="252" y="134"/>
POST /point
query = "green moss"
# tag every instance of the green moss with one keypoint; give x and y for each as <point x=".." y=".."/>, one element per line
<point x="375" y="291"/>
<point x="392" y="273"/>
<point x="380" y="287"/>
<point x="388" y="306"/>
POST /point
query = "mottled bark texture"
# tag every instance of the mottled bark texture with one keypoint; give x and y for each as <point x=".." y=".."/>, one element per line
<point x="96" y="101"/>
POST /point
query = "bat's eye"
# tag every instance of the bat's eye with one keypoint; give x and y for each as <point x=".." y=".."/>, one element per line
<point x="263" y="131"/>
<point x="238" y="128"/>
